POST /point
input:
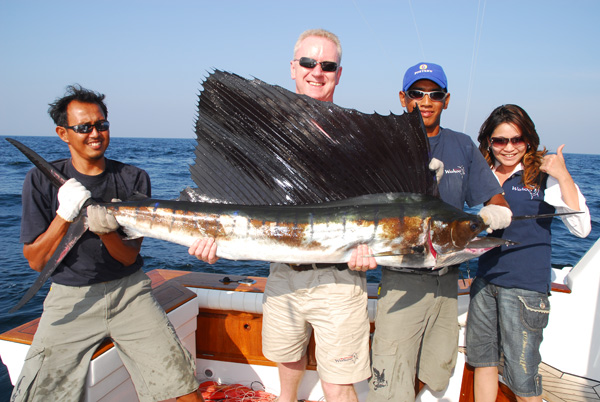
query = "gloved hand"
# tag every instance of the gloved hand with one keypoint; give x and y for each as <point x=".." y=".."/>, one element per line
<point x="71" y="197"/>
<point x="100" y="221"/>
<point x="495" y="216"/>
<point x="437" y="166"/>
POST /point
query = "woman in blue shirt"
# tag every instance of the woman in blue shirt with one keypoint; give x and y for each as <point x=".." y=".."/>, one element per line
<point x="509" y="298"/>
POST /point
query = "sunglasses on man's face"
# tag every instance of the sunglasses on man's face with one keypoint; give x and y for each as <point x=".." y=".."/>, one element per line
<point x="437" y="96"/>
<point x="327" y="66"/>
<point x="500" y="142"/>
<point x="87" y="128"/>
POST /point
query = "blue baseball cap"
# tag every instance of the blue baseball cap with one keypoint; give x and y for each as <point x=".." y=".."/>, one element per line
<point x="425" y="71"/>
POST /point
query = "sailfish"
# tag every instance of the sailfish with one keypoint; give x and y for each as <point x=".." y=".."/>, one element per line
<point x="282" y="177"/>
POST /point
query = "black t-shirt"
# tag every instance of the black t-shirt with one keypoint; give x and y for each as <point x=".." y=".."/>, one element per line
<point x="88" y="261"/>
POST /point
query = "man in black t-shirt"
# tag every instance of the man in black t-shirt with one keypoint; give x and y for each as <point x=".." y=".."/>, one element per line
<point x="99" y="290"/>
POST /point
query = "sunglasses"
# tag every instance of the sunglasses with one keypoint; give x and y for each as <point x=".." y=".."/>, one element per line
<point x="437" y="96"/>
<point x="87" y="128"/>
<point x="327" y="66"/>
<point x="499" y="142"/>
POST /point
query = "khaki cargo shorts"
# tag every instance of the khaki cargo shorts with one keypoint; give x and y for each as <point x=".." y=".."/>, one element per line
<point x="333" y="303"/>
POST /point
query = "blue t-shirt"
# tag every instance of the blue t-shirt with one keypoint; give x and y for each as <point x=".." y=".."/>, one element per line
<point x="88" y="262"/>
<point x="527" y="264"/>
<point x="467" y="176"/>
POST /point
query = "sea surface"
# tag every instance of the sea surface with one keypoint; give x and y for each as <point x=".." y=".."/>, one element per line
<point x="167" y="161"/>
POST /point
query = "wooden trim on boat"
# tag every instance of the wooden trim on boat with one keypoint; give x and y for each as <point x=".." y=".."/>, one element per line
<point x="230" y="336"/>
<point x="559" y="287"/>
<point x="21" y="334"/>
<point x="464" y="286"/>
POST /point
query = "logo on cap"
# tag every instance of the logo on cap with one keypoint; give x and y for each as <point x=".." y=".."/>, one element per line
<point x="423" y="68"/>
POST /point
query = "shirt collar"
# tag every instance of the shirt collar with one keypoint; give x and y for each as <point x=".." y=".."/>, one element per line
<point x="517" y="168"/>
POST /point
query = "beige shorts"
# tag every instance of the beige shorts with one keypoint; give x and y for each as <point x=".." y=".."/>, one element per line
<point x="334" y="304"/>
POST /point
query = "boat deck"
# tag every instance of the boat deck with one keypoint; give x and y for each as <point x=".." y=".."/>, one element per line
<point x="557" y="386"/>
<point x="563" y="387"/>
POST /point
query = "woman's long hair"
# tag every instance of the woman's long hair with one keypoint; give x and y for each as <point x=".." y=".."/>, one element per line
<point x="517" y="117"/>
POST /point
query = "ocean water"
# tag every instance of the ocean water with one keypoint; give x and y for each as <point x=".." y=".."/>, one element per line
<point x="167" y="161"/>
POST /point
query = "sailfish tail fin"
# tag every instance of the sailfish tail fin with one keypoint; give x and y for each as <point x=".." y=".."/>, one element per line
<point x="76" y="229"/>
<point x="56" y="177"/>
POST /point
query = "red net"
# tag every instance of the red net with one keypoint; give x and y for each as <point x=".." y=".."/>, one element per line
<point x="213" y="391"/>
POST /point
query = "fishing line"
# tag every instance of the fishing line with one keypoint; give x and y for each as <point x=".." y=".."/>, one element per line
<point x="412" y="13"/>
<point x="476" y="43"/>
<point x="375" y="37"/>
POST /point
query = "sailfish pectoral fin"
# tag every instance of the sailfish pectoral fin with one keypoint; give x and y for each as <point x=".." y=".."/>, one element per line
<point x="403" y="251"/>
<point x="76" y="230"/>
<point x="489" y="242"/>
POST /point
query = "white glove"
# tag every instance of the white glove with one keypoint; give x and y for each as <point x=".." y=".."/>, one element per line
<point x="71" y="197"/>
<point x="100" y="221"/>
<point x="495" y="217"/>
<point x="437" y="166"/>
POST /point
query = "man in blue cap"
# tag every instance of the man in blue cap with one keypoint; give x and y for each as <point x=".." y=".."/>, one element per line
<point x="416" y="328"/>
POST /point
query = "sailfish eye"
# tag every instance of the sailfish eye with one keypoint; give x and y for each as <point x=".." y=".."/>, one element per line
<point x="474" y="226"/>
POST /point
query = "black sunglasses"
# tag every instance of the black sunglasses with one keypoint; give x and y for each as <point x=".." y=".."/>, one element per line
<point x="87" y="128"/>
<point x="437" y="96"/>
<point x="502" y="142"/>
<point x="327" y="66"/>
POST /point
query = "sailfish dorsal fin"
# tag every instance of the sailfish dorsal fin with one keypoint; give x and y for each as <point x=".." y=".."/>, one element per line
<point x="262" y="144"/>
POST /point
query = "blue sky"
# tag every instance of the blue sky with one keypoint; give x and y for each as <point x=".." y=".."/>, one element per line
<point x="150" y="58"/>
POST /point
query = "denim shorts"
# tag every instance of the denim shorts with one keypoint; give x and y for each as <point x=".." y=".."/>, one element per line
<point x="508" y="322"/>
